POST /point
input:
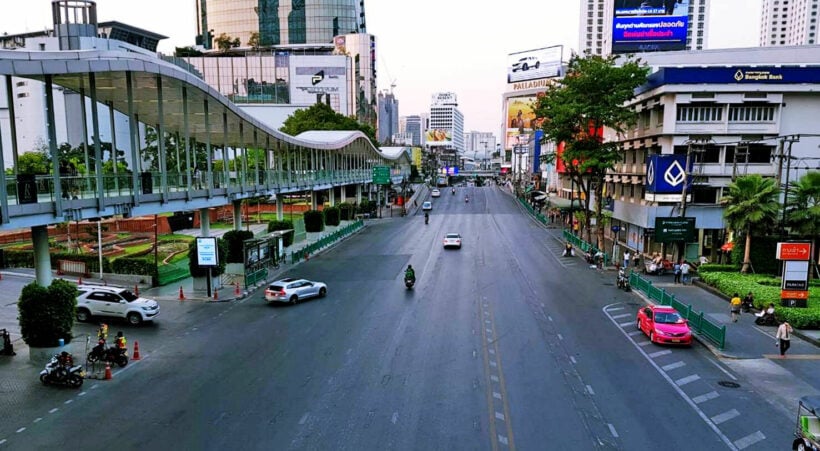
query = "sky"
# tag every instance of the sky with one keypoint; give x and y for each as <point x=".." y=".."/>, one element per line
<point x="423" y="46"/>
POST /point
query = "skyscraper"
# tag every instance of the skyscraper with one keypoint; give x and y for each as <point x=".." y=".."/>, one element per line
<point x="446" y="133"/>
<point x="789" y="23"/>
<point x="597" y="17"/>
<point x="278" y="22"/>
<point x="388" y="117"/>
<point x="415" y="128"/>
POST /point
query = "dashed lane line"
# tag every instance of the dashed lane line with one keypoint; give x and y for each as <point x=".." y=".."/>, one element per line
<point x="749" y="440"/>
<point x="705" y="397"/>
<point x="660" y="353"/>
<point x="622" y="315"/>
<point x="687" y="380"/>
<point x="673" y="366"/>
<point x="725" y="416"/>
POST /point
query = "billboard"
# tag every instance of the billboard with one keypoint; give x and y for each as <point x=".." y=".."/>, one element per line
<point x="320" y="79"/>
<point x="521" y="121"/>
<point x="649" y="25"/>
<point x="439" y="137"/>
<point x="534" y="64"/>
<point x="665" y="173"/>
<point x="670" y="230"/>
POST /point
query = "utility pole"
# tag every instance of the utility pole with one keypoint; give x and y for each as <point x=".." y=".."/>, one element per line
<point x="791" y="140"/>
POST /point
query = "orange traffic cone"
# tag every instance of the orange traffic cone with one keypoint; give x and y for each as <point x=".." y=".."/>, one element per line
<point x="181" y="295"/>
<point x="136" y="355"/>
<point x="137" y="290"/>
<point x="108" y="375"/>
<point x="216" y="294"/>
<point x="236" y="289"/>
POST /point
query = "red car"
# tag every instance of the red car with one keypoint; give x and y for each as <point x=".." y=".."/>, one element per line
<point x="664" y="325"/>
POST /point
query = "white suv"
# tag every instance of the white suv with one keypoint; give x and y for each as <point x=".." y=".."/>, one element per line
<point x="116" y="302"/>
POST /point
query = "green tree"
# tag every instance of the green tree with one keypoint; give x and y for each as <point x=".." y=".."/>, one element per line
<point x="803" y="207"/>
<point x="751" y="201"/>
<point x="182" y="52"/>
<point x="175" y="160"/>
<point x="224" y="42"/>
<point x="592" y="97"/>
<point x="321" y="117"/>
<point x="33" y="163"/>
<point x="253" y="40"/>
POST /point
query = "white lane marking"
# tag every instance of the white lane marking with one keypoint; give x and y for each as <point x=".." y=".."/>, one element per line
<point x="496" y="395"/>
<point x="644" y="343"/>
<point x="20" y="430"/>
<point x="94" y="387"/>
<point x="349" y="350"/>
<point x="590" y="390"/>
<point x="572" y="359"/>
<point x="614" y="309"/>
<point x="2" y="441"/>
<point x="622" y="315"/>
<point x="701" y="414"/>
<point x="492" y="363"/>
<point x="686" y="380"/>
<point x="68" y="401"/>
<point x="560" y="337"/>
<point x="726" y="372"/>
<point x="54" y="410"/>
<point x="705" y="397"/>
<point x="612" y="430"/>
<point x="725" y="416"/>
<point x="82" y="393"/>
<point x="673" y="366"/>
<point x="487" y="321"/>
<point x="395" y="417"/>
<point x="304" y="418"/>
<point x="38" y="419"/>
<point x="489" y="331"/>
<point x="549" y="318"/>
<point x="494" y="378"/>
<point x="499" y="415"/>
<point x="749" y="440"/>
<point x="502" y="440"/>
<point x="660" y="353"/>
<point x="635" y="332"/>
<point x="492" y="351"/>
<point x="626" y="324"/>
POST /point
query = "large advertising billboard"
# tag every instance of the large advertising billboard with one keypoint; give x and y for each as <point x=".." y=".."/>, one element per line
<point x="439" y="137"/>
<point x="534" y="64"/>
<point x="649" y="25"/>
<point x="319" y="79"/>
<point x="521" y="121"/>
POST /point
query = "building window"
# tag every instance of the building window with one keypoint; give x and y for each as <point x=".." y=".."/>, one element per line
<point x="688" y="113"/>
<point x="747" y="113"/>
<point x="20" y="95"/>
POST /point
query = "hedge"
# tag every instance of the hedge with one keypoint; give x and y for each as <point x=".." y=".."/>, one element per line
<point x="346" y="211"/>
<point x="140" y="265"/>
<point x="222" y="246"/>
<point x="762" y="253"/>
<point x="287" y="224"/>
<point x="236" y="247"/>
<point x="47" y="314"/>
<point x="331" y="216"/>
<point x="314" y="221"/>
<point x="25" y="259"/>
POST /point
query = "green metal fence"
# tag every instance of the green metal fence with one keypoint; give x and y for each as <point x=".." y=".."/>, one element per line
<point x="578" y="243"/>
<point x="325" y="241"/>
<point x="172" y="272"/>
<point x="254" y="277"/>
<point x="540" y="217"/>
<point x="697" y="322"/>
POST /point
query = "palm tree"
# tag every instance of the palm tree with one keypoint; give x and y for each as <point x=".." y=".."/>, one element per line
<point x="751" y="201"/>
<point x="803" y="213"/>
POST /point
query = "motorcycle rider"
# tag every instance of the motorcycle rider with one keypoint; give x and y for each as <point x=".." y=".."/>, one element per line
<point x="454" y="190"/>
<point x="466" y="198"/>
<point x="426" y="217"/>
<point x="410" y="274"/>
<point x="64" y="362"/>
<point x="120" y="342"/>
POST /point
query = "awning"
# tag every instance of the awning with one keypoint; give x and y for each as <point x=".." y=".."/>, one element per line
<point x="564" y="204"/>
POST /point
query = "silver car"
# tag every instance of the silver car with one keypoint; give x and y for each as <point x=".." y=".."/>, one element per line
<point x="294" y="290"/>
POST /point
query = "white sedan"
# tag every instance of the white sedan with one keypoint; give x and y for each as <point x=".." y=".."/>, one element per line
<point x="435" y="193"/>
<point x="427" y="206"/>
<point x="452" y="240"/>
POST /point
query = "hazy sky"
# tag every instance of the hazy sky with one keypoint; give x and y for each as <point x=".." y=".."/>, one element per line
<point x="426" y="46"/>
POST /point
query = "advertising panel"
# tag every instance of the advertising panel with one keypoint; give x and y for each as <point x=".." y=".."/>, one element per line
<point x="670" y="230"/>
<point x="319" y="78"/>
<point x="439" y="137"/>
<point x="649" y="25"/>
<point x="665" y="174"/>
<point x="534" y="64"/>
<point x="206" y="251"/>
<point x="521" y="121"/>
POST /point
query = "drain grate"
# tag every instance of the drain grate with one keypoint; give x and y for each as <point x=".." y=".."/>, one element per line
<point x="729" y="384"/>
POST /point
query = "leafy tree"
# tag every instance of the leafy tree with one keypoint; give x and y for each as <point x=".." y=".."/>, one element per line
<point x="183" y="52"/>
<point x="33" y="163"/>
<point x="591" y="97"/>
<point x="751" y="201"/>
<point x="803" y="207"/>
<point x="253" y="40"/>
<point x="174" y="152"/>
<point x="224" y="42"/>
<point x="47" y="313"/>
<point x="321" y="117"/>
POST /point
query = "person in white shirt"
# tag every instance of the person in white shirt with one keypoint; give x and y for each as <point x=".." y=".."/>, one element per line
<point x="783" y="337"/>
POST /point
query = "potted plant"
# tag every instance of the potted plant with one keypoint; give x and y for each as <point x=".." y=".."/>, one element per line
<point x="46" y="316"/>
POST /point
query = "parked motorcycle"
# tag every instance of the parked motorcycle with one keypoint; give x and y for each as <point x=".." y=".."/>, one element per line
<point x="62" y="371"/>
<point x="623" y="281"/>
<point x="111" y="354"/>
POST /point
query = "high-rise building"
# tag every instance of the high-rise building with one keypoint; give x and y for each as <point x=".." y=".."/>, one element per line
<point x="446" y="133"/>
<point x="276" y="22"/>
<point x="789" y="23"/>
<point x="415" y="128"/>
<point x="479" y="145"/>
<point x="388" y="117"/>
<point x="597" y="18"/>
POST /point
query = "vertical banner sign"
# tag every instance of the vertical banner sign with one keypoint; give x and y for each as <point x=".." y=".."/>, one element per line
<point x="206" y="251"/>
<point x="794" y="288"/>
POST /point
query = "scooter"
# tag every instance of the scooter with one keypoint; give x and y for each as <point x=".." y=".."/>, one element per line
<point x="58" y="373"/>
<point x="111" y="354"/>
<point x="623" y="281"/>
<point x="466" y="199"/>
<point x="409" y="282"/>
<point x="454" y="191"/>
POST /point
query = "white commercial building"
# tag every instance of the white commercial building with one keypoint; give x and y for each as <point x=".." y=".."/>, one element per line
<point x="727" y="112"/>
<point x="446" y="133"/>
<point x="788" y="23"/>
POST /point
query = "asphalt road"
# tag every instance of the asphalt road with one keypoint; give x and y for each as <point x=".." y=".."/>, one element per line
<point x="503" y="344"/>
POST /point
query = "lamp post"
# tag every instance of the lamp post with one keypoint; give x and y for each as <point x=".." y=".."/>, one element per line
<point x="156" y="247"/>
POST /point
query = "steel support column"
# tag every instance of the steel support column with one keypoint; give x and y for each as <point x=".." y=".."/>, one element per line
<point x="12" y="121"/>
<point x="187" y="131"/>
<point x="161" y="142"/>
<point x="113" y="147"/>
<point x="55" y="157"/>
<point x="42" y="259"/>
<point x="237" y="214"/>
<point x="208" y="151"/>
<point x="95" y="128"/>
<point x="133" y="134"/>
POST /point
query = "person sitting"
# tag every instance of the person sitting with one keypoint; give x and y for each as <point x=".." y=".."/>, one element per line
<point x="748" y="302"/>
<point x="768" y="312"/>
<point x="568" y="252"/>
<point x="410" y="273"/>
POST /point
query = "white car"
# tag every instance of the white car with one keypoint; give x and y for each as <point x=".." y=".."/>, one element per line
<point x="435" y="193"/>
<point x="526" y="63"/>
<point x="294" y="290"/>
<point x="427" y="206"/>
<point x="452" y="240"/>
<point x="114" y="302"/>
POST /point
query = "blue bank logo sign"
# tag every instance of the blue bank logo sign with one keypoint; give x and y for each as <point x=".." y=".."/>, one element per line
<point x="665" y="177"/>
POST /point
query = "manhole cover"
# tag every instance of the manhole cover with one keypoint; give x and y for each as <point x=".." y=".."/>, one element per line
<point x="728" y="384"/>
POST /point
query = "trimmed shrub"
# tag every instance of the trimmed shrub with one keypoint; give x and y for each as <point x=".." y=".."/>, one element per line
<point x="140" y="265"/>
<point x="235" y="240"/>
<point x="314" y="221"/>
<point x="367" y="206"/>
<point x="331" y="216"/>
<point x="222" y="247"/>
<point x="714" y="267"/>
<point x="346" y="211"/>
<point x="287" y="239"/>
<point x="47" y="314"/>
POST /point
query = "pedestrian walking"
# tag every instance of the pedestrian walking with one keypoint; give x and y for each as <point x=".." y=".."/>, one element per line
<point x="734" y="307"/>
<point x="676" y="270"/>
<point x="684" y="272"/>
<point x="627" y="257"/>
<point x="784" y="336"/>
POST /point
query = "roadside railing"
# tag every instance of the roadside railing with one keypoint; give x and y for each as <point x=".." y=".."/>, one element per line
<point x="697" y="322"/>
<point x="540" y="217"/>
<point x="584" y="246"/>
<point x="172" y="272"/>
<point x="325" y="241"/>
